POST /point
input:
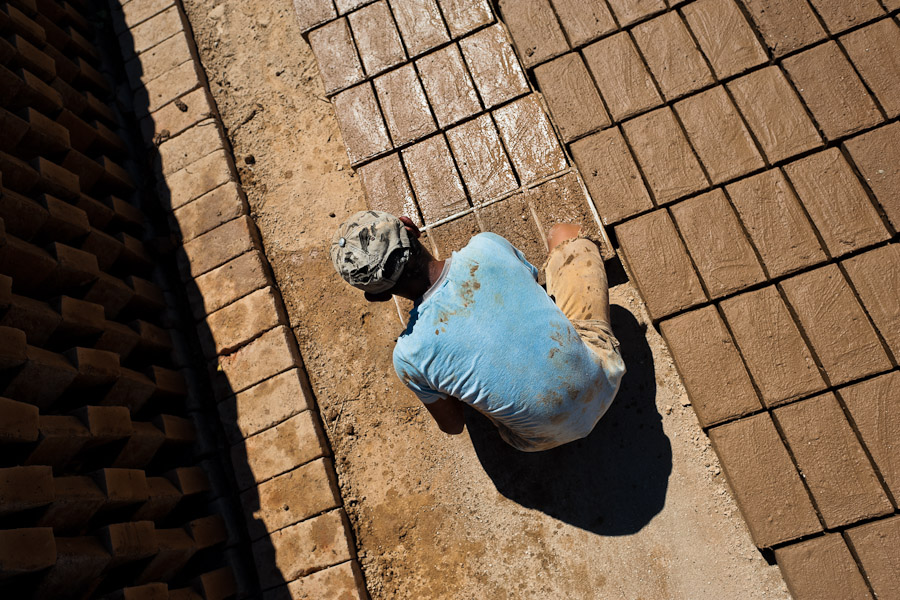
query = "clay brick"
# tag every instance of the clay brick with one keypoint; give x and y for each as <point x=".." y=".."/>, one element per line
<point x="233" y="280"/>
<point x="336" y="55"/>
<point x="26" y="550"/>
<point x="128" y="542"/>
<point x="434" y="179"/>
<point x="481" y="159"/>
<point x="832" y="90"/>
<point x="776" y="222"/>
<point x="719" y="135"/>
<point x="141" y="447"/>
<point x="611" y="175"/>
<point x="463" y="16"/>
<point x="535" y="30"/>
<point x="122" y="486"/>
<point x="23" y="488"/>
<point x="631" y="11"/>
<point x="453" y="236"/>
<point x="512" y="219"/>
<point x="158" y="60"/>
<point x="291" y="497"/>
<point x="266" y="356"/>
<point x="162" y="499"/>
<point x="303" y="548"/>
<point x="166" y="88"/>
<point x="872" y="405"/>
<point x="835" y="325"/>
<point x="175" y="548"/>
<point x="664" y="155"/>
<point x="821" y="568"/>
<point x="838" y="473"/>
<point x="562" y="200"/>
<point x="18" y="421"/>
<point x="346" y="6"/>
<point x="76" y="500"/>
<point x="673" y="58"/>
<point x="228" y="329"/>
<point x="448" y="85"/>
<point x="387" y="187"/>
<point x="785" y="25"/>
<point x="362" y="128"/>
<point x="529" y="139"/>
<point x="216" y="247"/>
<point x="174" y="118"/>
<point x="376" y="37"/>
<point x="404" y="105"/>
<point x="43" y="378"/>
<point x="875" y="544"/>
<point x="135" y="13"/>
<point x="79" y="562"/>
<point x="61" y="438"/>
<point x="195" y="143"/>
<point x="494" y="66"/>
<point x="710" y="366"/>
<point x="839" y="16"/>
<point x="621" y="76"/>
<point x="774" y="114"/>
<point x="264" y="405"/>
<point x="207" y="531"/>
<point x="313" y="12"/>
<point x="873" y="51"/>
<point x="573" y="99"/>
<point x="836" y="202"/>
<point x="764" y="481"/>
<point x="218" y="584"/>
<point x="33" y="317"/>
<point x="724" y="36"/>
<point x="659" y="263"/>
<point x="584" y="20"/>
<point x="151" y="32"/>
<point x="196" y="179"/>
<point x="876" y="277"/>
<point x="209" y="211"/>
<point x="343" y="581"/>
<point x="871" y="153"/>
<point x="420" y="24"/>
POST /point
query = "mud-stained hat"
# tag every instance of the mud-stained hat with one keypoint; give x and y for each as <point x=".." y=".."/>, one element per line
<point x="370" y="250"/>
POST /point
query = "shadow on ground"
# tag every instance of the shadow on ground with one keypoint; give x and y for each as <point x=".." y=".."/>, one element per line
<point x="612" y="482"/>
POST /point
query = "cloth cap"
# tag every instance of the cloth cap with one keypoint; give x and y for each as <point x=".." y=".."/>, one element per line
<point x="370" y="250"/>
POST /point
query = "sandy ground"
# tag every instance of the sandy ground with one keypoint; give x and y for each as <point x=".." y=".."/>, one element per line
<point x="639" y="509"/>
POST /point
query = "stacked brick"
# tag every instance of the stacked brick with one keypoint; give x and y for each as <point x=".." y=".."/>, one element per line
<point x="107" y="486"/>
<point x="296" y="528"/>
<point x="745" y="152"/>
<point x="441" y="122"/>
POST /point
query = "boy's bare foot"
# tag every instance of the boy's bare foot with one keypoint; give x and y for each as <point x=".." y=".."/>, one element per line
<point x="562" y="232"/>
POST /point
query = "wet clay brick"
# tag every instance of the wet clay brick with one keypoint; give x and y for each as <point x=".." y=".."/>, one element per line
<point x="621" y="76"/>
<point x="222" y="286"/>
<point x="838" y="473"/>
<point x="876" y="546"/>
<point x="529" y="139"/>
<point x="434" y="179"/>
<point x="835" y="325"/>
<point x="660" y="264"/>
<point x="303" y="548"/>
<point x="209" y="211"/>
<point x="664" y="155"/>
<point x="821" y="568"/>
<point x="376" y="37"/>
<point x="873" y="153"/>
<point x="481" y="159"/>
<point x="840" y="16"/>
<point x="573" y="99"/>
<point x="193" y="181"/>
<point x="534" y="29"/>
<point x="772" y="347"/>
<point x="723" y="255"/>
<point x="494" y="66"/>
<point x="362" y="127"/>
<point x="289" y="444"/>
<point x="463" y="16"/>
<point x="233" y="326"/>
<point x="724" y="36"/>
<point x="629" y="11"/>
<point x="215" y="248"/>
<point x="512" y="220"/>
<point x="268" y="355"/>
<point x="448" y="85"/>
<point x="673" y="58"/>
<point x="26" y="550"/>
<point x="764" y="481"/>
<point x="343" y="581"/>
<point x="189" y="147"/>
<point x="584" y="20"/>
<point x="387" y="187"/>
<point x="611" y="175"/>
<point x="291" y="497"/>
<point x="336" y="55"/>
<point x="718" y="134"/>
<point x="404" y="104"/>
<point x="710" y="366"/>
<point x="562" y="200"/>
<point x="774" y="114"/>
<point x="876" y="277"/>
<point x="776" y="222"/>
<point x="873" y="50"/>
<point x="453" y="236"/>
<point x="264" y="405"/>
<point x="832" y="90"/>
<point x="873" y="407"/>
<point x="420" y="24"/>
<point x="785" y="25"/>
<point x="836" y="202"/>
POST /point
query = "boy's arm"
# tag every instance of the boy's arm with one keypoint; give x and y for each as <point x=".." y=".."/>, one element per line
<point x="448" y="414"/>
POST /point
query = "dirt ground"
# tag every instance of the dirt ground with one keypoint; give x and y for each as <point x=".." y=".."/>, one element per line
<point x="639" y="509"/>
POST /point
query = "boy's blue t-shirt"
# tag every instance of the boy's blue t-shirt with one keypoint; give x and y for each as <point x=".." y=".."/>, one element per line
<point x="488" y="334"/>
